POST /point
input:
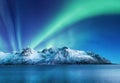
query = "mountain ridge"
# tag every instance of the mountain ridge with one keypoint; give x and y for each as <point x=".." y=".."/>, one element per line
<point x="62" y="55"/>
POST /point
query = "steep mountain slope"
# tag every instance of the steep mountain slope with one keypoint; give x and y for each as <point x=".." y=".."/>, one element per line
<point x="52" y="56"/>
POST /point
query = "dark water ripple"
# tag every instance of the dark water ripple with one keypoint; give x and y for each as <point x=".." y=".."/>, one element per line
<point x="60" y="74"/>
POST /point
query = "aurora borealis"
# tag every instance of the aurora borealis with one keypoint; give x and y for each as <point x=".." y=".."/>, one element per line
<point x="91" y="25"/>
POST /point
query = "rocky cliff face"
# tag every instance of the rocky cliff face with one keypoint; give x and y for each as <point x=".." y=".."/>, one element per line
<point x="63" y="55"/>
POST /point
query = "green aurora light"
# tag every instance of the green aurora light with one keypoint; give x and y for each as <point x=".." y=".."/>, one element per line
<point x="77" y="10"/>
<point x="18" y="26"/>
<point x="8" y="23"/>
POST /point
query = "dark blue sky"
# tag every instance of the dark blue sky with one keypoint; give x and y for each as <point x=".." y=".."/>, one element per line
<point x="22" y="20"/>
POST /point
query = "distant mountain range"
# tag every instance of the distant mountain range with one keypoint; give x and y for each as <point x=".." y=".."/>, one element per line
<point x="50" y="56"/>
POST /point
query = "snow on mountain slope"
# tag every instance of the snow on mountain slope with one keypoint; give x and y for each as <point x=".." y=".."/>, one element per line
<point x="52" y="56"/>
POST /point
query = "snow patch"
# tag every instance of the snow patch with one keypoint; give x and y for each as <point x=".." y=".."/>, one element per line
<point x="50" y="56"/>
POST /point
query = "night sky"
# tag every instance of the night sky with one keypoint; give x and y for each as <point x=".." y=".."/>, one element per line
<point x="90" y="25"/>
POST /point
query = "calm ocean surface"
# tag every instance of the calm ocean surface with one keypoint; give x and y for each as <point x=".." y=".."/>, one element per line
<point x="60" y="74"/>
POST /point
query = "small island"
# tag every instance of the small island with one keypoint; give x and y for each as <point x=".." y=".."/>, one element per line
<point x="51" y="56"/>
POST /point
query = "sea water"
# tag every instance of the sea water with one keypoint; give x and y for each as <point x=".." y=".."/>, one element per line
<point x="60" y="74"/>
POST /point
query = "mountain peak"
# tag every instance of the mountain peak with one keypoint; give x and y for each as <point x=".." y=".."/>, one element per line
<point x="62" y="55"/>
<point x="27" y="51"/>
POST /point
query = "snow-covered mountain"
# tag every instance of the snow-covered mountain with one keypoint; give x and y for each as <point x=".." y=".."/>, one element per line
<point x="52" y="56"/>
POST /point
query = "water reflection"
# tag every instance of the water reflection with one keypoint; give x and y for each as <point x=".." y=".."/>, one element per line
<point x="60" y="74"/>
